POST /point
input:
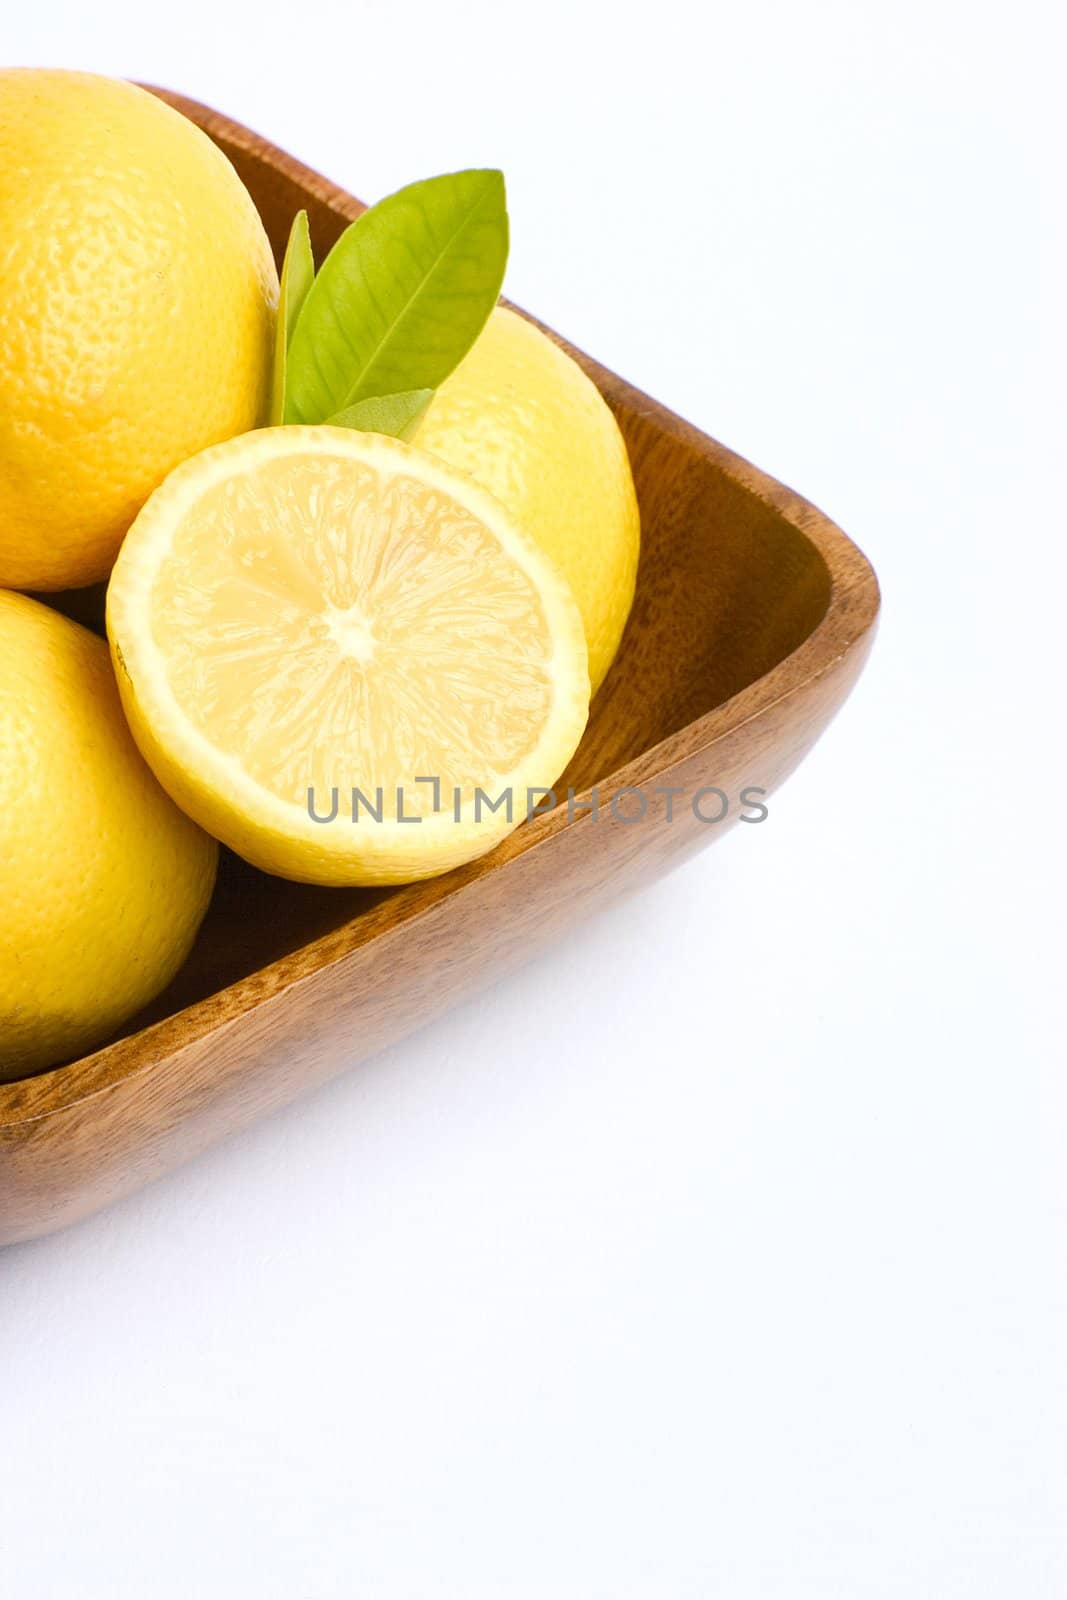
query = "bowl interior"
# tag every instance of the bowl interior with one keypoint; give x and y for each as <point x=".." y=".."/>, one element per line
<point x="727" y="588"/>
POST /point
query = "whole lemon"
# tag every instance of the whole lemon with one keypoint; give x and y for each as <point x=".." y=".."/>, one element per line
<point x="521" y="417"/>
<point x="103" y="881"/>
<point x="137" y="298"/>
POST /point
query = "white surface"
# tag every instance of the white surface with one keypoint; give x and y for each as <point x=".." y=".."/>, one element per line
<point x="720" y="1253"/>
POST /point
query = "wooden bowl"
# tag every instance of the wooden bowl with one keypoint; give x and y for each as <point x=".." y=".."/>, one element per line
<point x="753" y="617"/>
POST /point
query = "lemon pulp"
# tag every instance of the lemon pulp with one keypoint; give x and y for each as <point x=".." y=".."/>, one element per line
<point x="312" y="620"/>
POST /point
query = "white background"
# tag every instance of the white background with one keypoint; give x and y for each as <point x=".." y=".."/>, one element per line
<point x="721" y="1252"/>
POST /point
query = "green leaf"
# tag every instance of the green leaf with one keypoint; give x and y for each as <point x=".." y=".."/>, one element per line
<point x="402" y="295"/>
<point x="298" y="274"/>
<point x="396" y="414"/>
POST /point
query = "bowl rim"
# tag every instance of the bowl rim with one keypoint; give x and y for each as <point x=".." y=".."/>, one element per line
<point x="850" y="614"/>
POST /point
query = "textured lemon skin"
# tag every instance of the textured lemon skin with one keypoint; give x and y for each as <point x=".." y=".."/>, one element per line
<point x="523" y="419"/>
<point x="103" y="881"/>
<point x="209" y="785"/>
<point x="137" y="298"/>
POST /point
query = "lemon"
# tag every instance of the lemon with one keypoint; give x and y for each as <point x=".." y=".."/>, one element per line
<point x="103" y="882"/>
<point x="327" y="643"/>
<point x="137" y="295"/>
<point x="522" y="418"/>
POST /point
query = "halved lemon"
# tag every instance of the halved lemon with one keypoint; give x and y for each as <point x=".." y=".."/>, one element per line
<point x="342" y="658"/>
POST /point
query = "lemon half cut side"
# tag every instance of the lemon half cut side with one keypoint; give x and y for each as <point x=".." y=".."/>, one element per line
<point x="337" y="655"/>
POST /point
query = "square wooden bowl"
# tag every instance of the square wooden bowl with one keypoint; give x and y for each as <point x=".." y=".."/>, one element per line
<point x="753" y="617"/>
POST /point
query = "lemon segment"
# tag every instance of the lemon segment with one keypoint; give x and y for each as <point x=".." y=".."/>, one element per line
<point x="312" y="620"/>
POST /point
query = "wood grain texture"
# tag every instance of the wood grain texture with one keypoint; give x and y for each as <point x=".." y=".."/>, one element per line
<point x="753" y="617"/>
